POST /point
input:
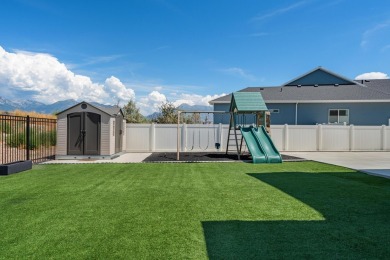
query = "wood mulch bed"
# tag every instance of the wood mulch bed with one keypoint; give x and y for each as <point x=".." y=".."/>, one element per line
<point x="206" y="157"/>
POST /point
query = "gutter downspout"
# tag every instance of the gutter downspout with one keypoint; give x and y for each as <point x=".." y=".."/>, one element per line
<point x="296" y="113"/>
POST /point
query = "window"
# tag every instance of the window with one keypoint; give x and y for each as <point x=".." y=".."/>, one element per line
<point x="338" y="116"/>
<point x="275" y="111"/>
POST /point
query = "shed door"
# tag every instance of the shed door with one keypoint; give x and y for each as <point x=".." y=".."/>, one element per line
<point x="75" y="136"/>
<point x="118" y="134"/>
<point x="84" y="134"/>
<point x="92" y="134"/>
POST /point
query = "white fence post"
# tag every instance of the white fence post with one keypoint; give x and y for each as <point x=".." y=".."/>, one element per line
<point x="220" y="136"/>
<point x="285" y="138"/>
<point x="351" y="138"/>
<point x="124" y="135"/>
<point x="319" y="137"/>
<point x="184" y="138"/>
<point x="152" y="137"/>
<point x="383" y="135"/>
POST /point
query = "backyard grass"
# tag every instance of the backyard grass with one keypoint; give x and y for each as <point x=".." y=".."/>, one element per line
<point x="194" y="211"/>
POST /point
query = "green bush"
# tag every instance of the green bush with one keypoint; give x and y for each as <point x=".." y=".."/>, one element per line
<point x="16" y="139"/>
<point x="5" y="127"/>
<point x="52" y="137"/>
<point x="37" y="139"/>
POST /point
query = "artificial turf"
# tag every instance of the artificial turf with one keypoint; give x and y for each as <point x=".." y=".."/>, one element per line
<point x="194" y="211"/>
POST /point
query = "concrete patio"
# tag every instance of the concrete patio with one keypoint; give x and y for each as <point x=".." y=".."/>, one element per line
<point x="373" y="163"/>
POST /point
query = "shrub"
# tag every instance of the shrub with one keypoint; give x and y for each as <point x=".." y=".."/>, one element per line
<point x="52" y="137"/>
<point x="5" y="127"/>
<point x="16" y="139"/>
<point x="37" y="139"/>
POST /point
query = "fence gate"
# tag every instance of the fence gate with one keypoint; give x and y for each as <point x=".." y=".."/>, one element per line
<point x="27" y="138"/>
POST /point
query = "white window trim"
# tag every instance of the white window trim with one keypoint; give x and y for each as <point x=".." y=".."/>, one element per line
<point x="338" y="115"/>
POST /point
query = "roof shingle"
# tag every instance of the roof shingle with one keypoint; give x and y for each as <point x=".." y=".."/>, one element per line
<point x="373" y="90"/>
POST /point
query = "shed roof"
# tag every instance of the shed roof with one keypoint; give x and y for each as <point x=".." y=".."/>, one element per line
<point x="112" y="110"/>
<point x="247" y="102"/>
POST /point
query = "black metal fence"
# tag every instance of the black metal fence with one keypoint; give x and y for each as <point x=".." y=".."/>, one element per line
<point x="27" y="138"/>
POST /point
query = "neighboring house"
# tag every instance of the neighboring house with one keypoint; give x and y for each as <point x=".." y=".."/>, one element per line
<point x="322" y="97"/>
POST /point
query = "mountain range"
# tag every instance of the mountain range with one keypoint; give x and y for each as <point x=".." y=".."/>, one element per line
<point x="29" y="105"/>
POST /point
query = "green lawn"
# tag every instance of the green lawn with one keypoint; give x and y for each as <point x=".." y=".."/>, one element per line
<point x="194" y="211"/>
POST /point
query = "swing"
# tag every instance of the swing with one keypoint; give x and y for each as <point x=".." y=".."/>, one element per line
<point x="217" y="145"/>
<point x="208" y="139"/>
<point x="193" y="142"/>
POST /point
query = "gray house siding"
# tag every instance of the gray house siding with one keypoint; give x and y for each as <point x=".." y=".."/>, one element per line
<point x="286" y="113"/>
<point x="319" y="77"/>
<point x="311" y="114"/>
<point x="359" y="113"/>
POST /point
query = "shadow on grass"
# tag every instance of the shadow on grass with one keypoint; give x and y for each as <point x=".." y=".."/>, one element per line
<point x="356" y="209"/>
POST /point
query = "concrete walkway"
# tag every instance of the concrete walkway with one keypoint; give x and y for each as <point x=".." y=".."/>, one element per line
<point x="373" y="163"/>
<point x="124" y="158"/>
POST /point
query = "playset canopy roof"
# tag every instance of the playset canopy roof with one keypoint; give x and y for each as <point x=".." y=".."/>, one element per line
<point x="247" y="102"/>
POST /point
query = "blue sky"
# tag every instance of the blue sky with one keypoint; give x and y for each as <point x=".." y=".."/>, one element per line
<point x="182" y="51"/>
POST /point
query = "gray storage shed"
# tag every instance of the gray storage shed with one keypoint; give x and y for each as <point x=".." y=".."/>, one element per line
<point x="89" y="131"/>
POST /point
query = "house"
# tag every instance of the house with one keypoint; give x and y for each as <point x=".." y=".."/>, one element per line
<point x="88" y="131"/>
<point x="321" y="96"/>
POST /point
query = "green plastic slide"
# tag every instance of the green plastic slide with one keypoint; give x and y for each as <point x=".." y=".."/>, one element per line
<point x="260" y="145"/>
<point x="253" y="145"/>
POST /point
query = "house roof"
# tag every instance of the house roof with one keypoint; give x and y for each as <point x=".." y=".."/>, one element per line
<point x="247" y="102"/>
<point x="320" y="76"/>
<point x="112" y="111"/>
<point x="382" y="85"/>
<point x="357" y="91"/>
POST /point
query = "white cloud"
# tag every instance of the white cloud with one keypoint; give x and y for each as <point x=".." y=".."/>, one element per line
<point x="44" y="78"/>
<point x="194" y="99"/>
<point x="238" y="72"/>
<point x="117" y="89"/>
<point x="157" y="97"/>
<point x="372" y="75"/>
<point x="151" y="103"/>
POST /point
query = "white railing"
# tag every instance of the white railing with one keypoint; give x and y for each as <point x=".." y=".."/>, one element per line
<point x="196" y="138"/>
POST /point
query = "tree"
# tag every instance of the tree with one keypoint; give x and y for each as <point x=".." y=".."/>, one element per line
<point x="132" y="114"/>
<point x="168" y="114"/>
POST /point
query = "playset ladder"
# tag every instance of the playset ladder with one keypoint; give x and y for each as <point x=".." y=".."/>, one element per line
<point x="232" y="125"/>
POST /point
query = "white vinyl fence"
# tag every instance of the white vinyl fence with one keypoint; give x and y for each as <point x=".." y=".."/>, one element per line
<point x="197" y="138"/>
